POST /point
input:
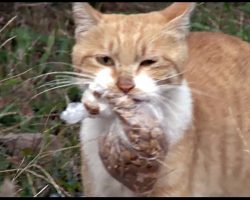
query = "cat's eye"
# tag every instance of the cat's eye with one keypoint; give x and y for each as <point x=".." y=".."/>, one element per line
<point x="105" y="60"/>
<point x="147" y="62"/>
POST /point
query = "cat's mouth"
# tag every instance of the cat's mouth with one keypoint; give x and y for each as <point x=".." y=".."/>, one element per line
<point x="138" y="98"/>
<point x="135" y="94"/>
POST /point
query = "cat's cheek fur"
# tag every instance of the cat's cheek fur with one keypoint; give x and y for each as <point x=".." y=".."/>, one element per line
<point x="144" y="83"/>
<point x="102" y="80"/>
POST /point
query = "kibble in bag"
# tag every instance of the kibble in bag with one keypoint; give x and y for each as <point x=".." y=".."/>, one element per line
<point x="135" y="145"/>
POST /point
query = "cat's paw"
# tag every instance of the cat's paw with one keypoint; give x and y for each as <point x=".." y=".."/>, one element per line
<point x="92" y="107"/>
<point x="95" y="104"/>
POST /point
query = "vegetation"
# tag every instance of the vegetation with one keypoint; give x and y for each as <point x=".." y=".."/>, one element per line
<point x="35" y="39"/>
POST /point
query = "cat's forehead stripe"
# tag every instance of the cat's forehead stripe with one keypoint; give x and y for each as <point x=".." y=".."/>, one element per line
<point x="129" y="40"/>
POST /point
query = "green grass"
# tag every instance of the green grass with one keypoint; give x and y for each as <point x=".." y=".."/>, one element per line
<point x="230" y="18"/>
<point x="38" y="41"/>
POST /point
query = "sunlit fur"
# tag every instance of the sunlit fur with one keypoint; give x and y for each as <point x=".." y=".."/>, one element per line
<point x="198" y="77"/>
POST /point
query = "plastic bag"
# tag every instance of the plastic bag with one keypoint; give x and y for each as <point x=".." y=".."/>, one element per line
<point x="134" y="147"/>
<point x="74" y="113"/>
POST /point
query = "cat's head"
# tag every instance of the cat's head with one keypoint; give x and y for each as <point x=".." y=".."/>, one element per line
<point x="134" y="54"/>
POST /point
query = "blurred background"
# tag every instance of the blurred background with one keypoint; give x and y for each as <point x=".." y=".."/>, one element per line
<point x="39" y="153"/>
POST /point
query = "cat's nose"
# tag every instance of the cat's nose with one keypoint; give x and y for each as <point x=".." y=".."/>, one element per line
<point x="125" y="84"/>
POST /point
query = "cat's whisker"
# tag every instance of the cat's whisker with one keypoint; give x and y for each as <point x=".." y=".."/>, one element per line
<point x="162" y="163"/>
<point x="74" y="79"/>
<point x="61" y="86"/>
<point x="62" y="79"/>
<point x="172" y="76"/>
<point x="71" y="65"/>
<point x="82" y="69"/>
<point x="168" y="86"/>
<point x="67" y="64"/>
<point x="54" y="62"/>
<point x="167" y="172"/>
<point x="81" y="83"/>
<point x="199" y="92"/>
<point x="65" y="76"/>
<point x="165" y="102"/>
<point x="169" y="100"/>
<point x="177" y="74"/>
<point x="193" y="90"/>
<point x="64" y="72"/>
<point x="54" y="82"/>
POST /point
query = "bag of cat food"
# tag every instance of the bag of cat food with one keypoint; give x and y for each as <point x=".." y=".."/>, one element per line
<point x="134" y="147"/>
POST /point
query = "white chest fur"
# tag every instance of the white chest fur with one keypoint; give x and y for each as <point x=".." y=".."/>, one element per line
<point x="177" y="116"/>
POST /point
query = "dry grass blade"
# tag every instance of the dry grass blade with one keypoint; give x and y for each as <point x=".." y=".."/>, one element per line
<point x="47" y="178"/>
<point x="15" y="126"/>
<point x="58" y="150"/>
<point x="30" y="181"/>
<point x="60" y="190"/>
<point x="8" y="113"/>
<point x="11" y="20"/>
<point x="7" y="41"/>
<point x="41" y="191"/>
<point x="35" y="159"/>
<point x="8" y="170"/>
<point x="6" y="79"/>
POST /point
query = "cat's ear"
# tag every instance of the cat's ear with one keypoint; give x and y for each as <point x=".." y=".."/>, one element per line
<point x="178" y="17"/>
<point x="85" y="17"/>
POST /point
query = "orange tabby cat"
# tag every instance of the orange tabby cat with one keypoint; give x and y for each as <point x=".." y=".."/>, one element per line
<point x="200" y="80"/>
